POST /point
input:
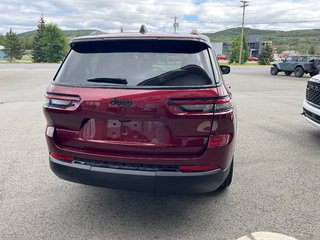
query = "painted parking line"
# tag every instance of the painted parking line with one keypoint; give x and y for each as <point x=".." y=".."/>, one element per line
<point x="266" y="236"/>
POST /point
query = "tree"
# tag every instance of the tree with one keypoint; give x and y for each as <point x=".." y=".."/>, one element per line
<point x="27" y="42"/>
<point x="54" y="43"/>
<point x="12" y="46"/>
<point x="312" y="50"/>
<point x="234" y="57"/>
<point x="1" y="39"/>
<point x="265" y="57"/>
<point x="38" y="53"/>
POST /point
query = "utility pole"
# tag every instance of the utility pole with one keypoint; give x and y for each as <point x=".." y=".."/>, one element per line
<point x="175" y="24"/>
<point x="244" y="5"/>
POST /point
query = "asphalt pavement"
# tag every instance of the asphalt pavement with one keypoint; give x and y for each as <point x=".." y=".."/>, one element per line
<point x="275" y="188"/>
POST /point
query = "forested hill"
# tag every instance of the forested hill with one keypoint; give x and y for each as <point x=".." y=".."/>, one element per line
<point x="300" y="40"/>
<point x="67" y="33"/>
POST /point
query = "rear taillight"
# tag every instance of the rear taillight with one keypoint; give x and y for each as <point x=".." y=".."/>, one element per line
<point x="62" y="157"/>
<point x="62" y="101"/>
<point x="216" y="141"/>
<point x="198" y="168"/>
<point x="201" y="105"/>
<point x="223" y="105"/>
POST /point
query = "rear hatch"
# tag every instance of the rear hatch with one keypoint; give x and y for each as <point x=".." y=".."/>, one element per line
<point x="145" y="97"/>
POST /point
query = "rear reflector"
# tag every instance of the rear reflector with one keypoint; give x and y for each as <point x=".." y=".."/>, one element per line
<point x="198" y="168"/>
<point x="216" y="141"/>
<point x="62" y="157"/>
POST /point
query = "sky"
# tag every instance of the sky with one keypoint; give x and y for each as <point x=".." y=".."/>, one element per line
<point x="158" y="15"/>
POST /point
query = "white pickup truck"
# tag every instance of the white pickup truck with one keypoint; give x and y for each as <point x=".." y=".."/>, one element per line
<point x="311" y="103"/>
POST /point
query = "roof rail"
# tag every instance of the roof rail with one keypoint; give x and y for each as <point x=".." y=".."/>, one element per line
<point x="143" y="29"/>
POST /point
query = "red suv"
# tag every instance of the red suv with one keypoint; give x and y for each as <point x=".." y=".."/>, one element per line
<point x="141" y="111"/>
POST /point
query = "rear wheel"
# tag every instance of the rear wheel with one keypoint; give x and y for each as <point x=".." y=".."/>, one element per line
<point x="274" y="70"/>
<point x="228" y="180"/>
<point x="298" y="72"/>
<point x="287" y="73"/>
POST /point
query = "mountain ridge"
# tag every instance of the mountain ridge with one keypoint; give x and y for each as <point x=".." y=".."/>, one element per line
<point x="299" y="40"/>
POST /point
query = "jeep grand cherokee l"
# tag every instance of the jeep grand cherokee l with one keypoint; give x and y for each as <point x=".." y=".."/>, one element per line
<point x="146" y="112"/>
<point x="311" y="103"/>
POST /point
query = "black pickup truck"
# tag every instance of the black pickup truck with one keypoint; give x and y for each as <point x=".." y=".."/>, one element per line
<point x="298" y="65"/>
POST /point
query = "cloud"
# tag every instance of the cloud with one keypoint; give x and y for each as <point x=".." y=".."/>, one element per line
<point x="203" y="15"/>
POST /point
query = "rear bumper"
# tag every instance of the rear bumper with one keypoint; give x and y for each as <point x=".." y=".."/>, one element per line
<point x="149" y="181"/>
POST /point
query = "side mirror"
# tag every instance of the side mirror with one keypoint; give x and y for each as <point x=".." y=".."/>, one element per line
<point x="225" y="69"/>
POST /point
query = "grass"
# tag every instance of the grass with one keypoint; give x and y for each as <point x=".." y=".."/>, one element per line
<point x="236" y="64"/>
<point x="24" y="62"/>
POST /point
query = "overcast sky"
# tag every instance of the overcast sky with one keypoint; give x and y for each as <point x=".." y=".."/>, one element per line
<point x="203" y="15"/>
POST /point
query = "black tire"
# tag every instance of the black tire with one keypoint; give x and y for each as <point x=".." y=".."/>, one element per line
<point x="298" y="72"/>
<point x="228" y="180"/>
<point x="313" y="73"/>
<point x="287" y="73"/>
<point x="274" y="70"/>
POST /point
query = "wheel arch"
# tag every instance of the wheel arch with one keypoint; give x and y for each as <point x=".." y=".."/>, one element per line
<point x="299" y="66"/>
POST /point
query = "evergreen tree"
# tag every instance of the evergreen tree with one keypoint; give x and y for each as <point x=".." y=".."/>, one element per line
<point x="54" y="43"/>
<point x="312" y="50"/>
<point x="12" y="46"/>
<point x="38" y="53"/>
<point x="265" y="57"/>
<point x="27" y="42"/>
<point x="234" y="56"/>
<point x="1" y="39"/>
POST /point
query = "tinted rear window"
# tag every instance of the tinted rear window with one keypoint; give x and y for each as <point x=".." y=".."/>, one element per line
<point x="137" y="64"/>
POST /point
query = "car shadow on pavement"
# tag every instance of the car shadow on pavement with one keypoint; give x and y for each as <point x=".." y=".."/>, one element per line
<point x="125" y="211"/>
<point x="314" y="134"/>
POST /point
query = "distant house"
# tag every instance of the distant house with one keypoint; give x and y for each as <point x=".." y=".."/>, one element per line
<point x="2" y="55"/>
<point x="220" y="48"/>
<point x="255" y="44"/>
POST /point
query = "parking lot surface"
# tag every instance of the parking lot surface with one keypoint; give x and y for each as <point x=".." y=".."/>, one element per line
<point x="275" y="188"/>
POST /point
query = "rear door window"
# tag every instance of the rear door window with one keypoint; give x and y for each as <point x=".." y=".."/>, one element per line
<point x="303" y="59"/>
<point x="137" y="64"/>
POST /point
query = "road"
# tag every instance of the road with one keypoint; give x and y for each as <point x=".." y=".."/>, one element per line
<point x="276" y="182"/>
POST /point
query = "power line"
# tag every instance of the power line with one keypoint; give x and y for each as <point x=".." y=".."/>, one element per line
<point x="158" y="18"/>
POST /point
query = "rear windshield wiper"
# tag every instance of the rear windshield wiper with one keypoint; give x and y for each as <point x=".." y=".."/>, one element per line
<point x="108" y="80"/>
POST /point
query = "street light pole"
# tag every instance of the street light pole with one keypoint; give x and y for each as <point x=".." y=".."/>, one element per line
<point x="244" y="5"/>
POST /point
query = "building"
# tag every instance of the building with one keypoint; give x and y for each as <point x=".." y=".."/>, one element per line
<point x="2" y="55"/>
<point x="255" y="44"/>
<point x="220" y="48"/>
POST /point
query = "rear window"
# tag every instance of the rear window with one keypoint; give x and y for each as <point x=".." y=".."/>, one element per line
<point x="137" y="64"/>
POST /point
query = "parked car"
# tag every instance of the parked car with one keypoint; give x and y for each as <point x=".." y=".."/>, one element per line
<point x="142" y="111"/>
<point x="311" y="103"/>
<point x="222" y="57"/>
<point x="298" y="65"/>
<point x="252" y="59"/>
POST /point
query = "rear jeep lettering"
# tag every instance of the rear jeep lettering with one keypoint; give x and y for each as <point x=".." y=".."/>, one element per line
<point x="125" y="102"/>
